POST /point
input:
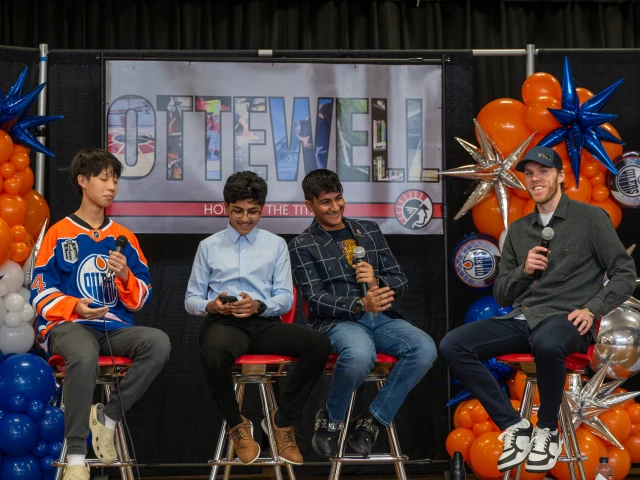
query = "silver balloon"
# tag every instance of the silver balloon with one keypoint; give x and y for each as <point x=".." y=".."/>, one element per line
<point x="618" y="337"/>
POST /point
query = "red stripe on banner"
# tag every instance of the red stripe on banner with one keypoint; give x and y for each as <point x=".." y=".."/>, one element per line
<point x="216" y="209"/>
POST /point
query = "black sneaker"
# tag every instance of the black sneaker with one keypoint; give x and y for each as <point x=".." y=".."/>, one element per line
<point x="547" y="447"/>
<point x="364" y="437"/>
<point x="516" y="446"/>
<point x="325" y="436"/>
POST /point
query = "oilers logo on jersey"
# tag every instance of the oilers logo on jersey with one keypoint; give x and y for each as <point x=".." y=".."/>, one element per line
<point x="92" y="281"/>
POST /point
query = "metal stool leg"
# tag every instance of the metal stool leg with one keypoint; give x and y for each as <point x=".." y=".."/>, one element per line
<point x="63" y="455"/>
<point x="230" y="448"/>
<point x="221" y="440"/>
<point x="394" y="444"/>
<point x="274" y="407"/>
<point x="336" y="463"/>
<point x="264" y="396"/>
<point x="572" y="448"/>
<point x="126" y="471"/>
<point x="525" y="412"/>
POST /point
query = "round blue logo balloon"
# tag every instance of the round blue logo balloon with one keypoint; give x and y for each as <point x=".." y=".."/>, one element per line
<point x="475" y="261"/>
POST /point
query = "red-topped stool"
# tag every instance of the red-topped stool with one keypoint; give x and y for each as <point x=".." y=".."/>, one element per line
<point x="260" y="370"/>
<point x="379" y="374"/>
<point x="576" y="365"/>
<point x="111" y="369"/>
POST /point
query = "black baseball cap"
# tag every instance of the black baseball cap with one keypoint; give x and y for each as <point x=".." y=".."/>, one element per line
<point x="543" y="155"/>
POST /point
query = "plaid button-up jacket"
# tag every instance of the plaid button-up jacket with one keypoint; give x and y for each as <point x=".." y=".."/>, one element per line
<point x="327" y="282"/>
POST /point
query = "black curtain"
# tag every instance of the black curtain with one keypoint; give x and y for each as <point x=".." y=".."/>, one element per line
<point x="332" y="24"/>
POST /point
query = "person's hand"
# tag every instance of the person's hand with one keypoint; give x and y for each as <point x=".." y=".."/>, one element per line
<point x="83" y="310"/>
<point x="118" y="264"/>
<point x="364" y="274"/>
<point x="378" y="299"/>
<point x="582" y="320"/>
<point x="536" y="260"/>
<point x="244" y="308"/>
<point x="216" y="306"/>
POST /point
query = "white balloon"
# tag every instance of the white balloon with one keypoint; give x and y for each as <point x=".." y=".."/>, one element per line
<point x="11" y="276"/>
<point x="16" y="340"/>
<point x="28" y="313"/>
<point x="12" y="320"/>
<point x="503" y="235"/>
<point x="14" y="302"/>
<point x="3" y="311"/>
<point x="25" y="294"/>
<point x="3" y="289"/>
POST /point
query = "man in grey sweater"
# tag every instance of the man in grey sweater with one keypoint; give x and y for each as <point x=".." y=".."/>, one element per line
<point x="557" y="296"/>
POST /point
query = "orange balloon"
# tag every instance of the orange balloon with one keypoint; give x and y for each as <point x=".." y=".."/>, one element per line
<point x="599" y="179"/>
<point x="464" y="419"/>
<point x="635" y="430"/>
<point x="37" y="213"/>
<point x="503" y="121"/>
<point x="6" y="241"/>
<point x="21" y="148"/>
<point x="590" y="167"/>
<point x="488" y="219"/>
<point x="561" y="149"/>
<point x="7" y="170"/>
<point x="13" y="209"/>
<point x="482" y="427"/>
<point x="602" y="446"/>
<point x="6" y="146"/>
<point x="461" y="406"/>
<point x="524" y="194"/>
<point x="538" y="118"/>
<point x="484" y="454"/>
<point x="20" y="160"/>
<point x="460" y="440"/>
<point x="19" y="233"/>
<point x="589" y="448"/>
<point x="583" y="94"/>
<point x="620" y="461"/>
<point x="26" y="177"/>
<point x="528" y="207"/>
<point x="632" y="445"/>
<point x="20" y="252"/>
<point x="541" y="84"/>
<point x="618" y="422"/>
<point x="581" y="193"/>
<point x="515" y="404"/>
<point x="612" y="208"/>
<point x="524" y="475"/>
<point x="12" y="185"/>
<point x="479" y="414"/>
<point x="599" y="193"/>
<point x="634" y="412"/>
<point x="519" y="387"/>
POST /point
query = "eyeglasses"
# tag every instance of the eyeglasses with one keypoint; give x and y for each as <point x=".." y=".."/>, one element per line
<point x="237" y="214"/>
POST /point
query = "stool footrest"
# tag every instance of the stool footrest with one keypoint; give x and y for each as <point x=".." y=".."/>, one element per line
<point x="96" y="463"/>
<point x="371" y="459"/>
<point x="237" y="463"/>
<point x="572" y="458"/>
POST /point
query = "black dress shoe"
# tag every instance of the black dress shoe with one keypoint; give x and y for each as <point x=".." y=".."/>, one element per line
<point x="326" y="433"/>
<point x="365" y="435"/>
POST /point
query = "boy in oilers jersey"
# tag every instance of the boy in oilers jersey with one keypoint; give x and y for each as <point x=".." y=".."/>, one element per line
<point x="84" y="292"/>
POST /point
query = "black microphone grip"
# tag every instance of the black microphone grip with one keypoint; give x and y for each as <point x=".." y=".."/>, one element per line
<point x="538" y="273"/>
<point x="363" y="286"/>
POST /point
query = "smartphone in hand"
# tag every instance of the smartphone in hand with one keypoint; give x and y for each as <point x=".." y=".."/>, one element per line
<point x="227" y="299"/>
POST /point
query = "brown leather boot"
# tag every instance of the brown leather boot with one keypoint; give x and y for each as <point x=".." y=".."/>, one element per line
<point x="246" y="447"/>
<point x="286" y="443"/>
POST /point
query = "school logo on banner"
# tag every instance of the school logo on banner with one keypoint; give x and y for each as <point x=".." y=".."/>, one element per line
<point x="414" y="209"/>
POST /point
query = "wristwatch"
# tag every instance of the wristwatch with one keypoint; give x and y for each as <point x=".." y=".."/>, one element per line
<point x="591" y="314"/>
<point x="262" y="307"/>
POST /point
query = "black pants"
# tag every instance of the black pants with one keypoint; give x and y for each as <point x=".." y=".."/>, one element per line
<point x="549" y="342"/>
<point x="224" y="338"/>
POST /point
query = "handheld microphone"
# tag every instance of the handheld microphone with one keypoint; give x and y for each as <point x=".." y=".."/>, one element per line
<point x="358" y="255"/>
<point x="121" y="243"/>
<point x="547" y="235"/>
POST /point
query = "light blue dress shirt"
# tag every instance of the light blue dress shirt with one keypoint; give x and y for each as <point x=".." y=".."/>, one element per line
<point x="257" y="264"/>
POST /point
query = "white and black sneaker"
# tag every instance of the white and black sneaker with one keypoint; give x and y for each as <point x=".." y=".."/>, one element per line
<point x="516" y="446"/>
<point x="547" y="447"/>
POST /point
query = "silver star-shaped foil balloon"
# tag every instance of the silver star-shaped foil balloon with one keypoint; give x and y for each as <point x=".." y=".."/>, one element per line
<point x="492" y="171"/>
<point x="588" y="401"/>
<point x="29" y="265"/>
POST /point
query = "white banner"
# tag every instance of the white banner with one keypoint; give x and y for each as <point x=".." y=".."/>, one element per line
<point x="181" y="128"/>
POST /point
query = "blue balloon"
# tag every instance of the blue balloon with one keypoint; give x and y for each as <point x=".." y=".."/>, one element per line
<point x="18" y="403"/>
<point x="18" y="434"/>
<point x="1" y="413"/>
<point x="504" y="311"/>
<point x="51" y="427"/>
<point x="485" y="307"/>
<point x="45" y="464"/>
<point x="54" y="449"/>
<point x="28" y="375"/>
<point x="35" y="409"/>
<point x="20" y="468"/>
<point x="1" y="357"/>
<point x="40" y="450"/>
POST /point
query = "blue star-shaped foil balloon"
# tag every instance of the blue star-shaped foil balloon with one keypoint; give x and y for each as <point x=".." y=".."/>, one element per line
<point x="13" y="120"/>
<point x="581" y="124"/>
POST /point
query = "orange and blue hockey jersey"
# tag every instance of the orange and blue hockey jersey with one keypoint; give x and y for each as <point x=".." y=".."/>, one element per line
<point x="72" y="264"/>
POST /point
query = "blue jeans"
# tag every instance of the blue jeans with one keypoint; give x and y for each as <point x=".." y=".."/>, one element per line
<point x="356" y="343"/>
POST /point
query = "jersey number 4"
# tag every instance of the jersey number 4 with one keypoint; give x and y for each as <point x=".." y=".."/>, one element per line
<point x="38" y="284"/>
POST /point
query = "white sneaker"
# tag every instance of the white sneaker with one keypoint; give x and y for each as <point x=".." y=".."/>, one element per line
<point x="547" y="447"/>
<point x="516" y="446"/>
